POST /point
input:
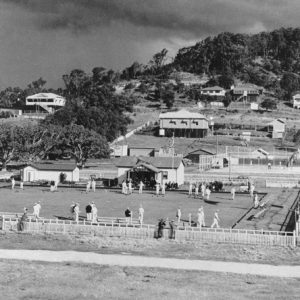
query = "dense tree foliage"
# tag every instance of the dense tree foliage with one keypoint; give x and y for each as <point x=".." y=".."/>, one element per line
<point x="92" y="103"/>
<point x="83" y="143"/>
<point x="258" y="58"/>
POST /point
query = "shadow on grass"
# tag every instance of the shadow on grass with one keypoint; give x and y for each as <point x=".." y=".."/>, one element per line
<point x="211" y="202"/>
<point x="224" y="198"/>
<point x="63" y="218"/>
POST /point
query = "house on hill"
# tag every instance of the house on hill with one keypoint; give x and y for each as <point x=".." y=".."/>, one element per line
<point x="50" y="172"/>
<point x="296" y="100"/>
<point x="214" y="91"/>
<point x="183" y="124"/>
<point x="277" y="128"/>
<point x="247" y="93"/>
<point x="151" y="169"/>
<point x="49" y="102"/>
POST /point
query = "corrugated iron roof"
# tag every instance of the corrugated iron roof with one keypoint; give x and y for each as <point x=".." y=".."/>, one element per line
<point x="213" y="88"/>
<point x="182" y="114"/>
<point x="158" y="162"/>
<point x="54" y="167"/>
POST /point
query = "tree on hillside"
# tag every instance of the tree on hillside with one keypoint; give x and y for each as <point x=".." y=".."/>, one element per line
<point x="290" y="83"/>
<point x="269" y="104"/>
<point x="8" y="144"/>
<point x="35" y="142"/>
<point x="226" y="81"/>
<point x="84" y="144"/>
<point x="92" y="103"/>
<point x="168" y="97"/>
<point x="158" y="60"/>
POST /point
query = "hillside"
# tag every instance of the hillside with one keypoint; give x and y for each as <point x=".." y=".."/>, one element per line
<point x="269" y="59"/>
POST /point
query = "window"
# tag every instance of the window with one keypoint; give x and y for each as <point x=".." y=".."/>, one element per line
<point x="165" y="174"/>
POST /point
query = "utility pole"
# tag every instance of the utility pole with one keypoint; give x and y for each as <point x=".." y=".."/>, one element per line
<point x="229" y="165"/>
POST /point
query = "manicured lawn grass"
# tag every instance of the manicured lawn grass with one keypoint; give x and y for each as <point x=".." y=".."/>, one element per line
<point x="111" y="203"/>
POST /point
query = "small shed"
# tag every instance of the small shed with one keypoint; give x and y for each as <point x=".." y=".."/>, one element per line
<point x="246" y="136"/>
<point x="195" y="155"/>
<point x="50" y="172"/>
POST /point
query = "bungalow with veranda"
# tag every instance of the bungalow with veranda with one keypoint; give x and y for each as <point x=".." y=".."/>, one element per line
<point x="183" y="124"/>
<point x="214" y="91"/>
<point x="50" y="172"/>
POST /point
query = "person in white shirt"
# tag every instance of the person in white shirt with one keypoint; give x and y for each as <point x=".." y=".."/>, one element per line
<point x="141" y="214"/>
<point x="178" y="215"/>
<point x="124" y="187"/>
<point x="203" y="188"/>
<point x="130" y="188"/>
<point x="76" y="212"/>
<point x="201" y="221"/>
<point x="94" y="185"/>
<point x="216" y="220"/>
<point x="196" y="190"/>
<point x="36" y="210"/>
<point x="141" y="185"/>
<point x="207" y="191"/>
<point x="163" y="189"/>
<point x="190" y="189"/>
<point x="88" y="186"/>
<point x="94" y="212"/>
<point x="157" y="186"/>
<point x="13" y="183"/>
<point x="233" y="193"/>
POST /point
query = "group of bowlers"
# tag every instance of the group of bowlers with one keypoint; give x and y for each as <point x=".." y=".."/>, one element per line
<point x="127" y="188"/>
<point x="196" y="188"/>
<point x="200" y="218"/>
<point x="129" y="215"/>
<point x="252" y="193"/>
<point x="91" y="212"/>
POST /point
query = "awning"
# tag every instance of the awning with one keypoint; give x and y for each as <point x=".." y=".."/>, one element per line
<point x="142" y="165"/>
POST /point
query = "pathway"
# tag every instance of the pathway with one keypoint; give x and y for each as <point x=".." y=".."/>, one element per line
<point x="151" y="262"/>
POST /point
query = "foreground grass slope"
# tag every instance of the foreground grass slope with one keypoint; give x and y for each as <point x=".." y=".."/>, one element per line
<point x="26" y="280"/>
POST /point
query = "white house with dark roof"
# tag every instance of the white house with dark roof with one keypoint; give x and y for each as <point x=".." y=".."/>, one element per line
<point x="183" y="124"/>
<point x="296" y="100"/>
<point x="160" y="169"/>
<point x="50" y="172"/>
<point x="214" y="91"/>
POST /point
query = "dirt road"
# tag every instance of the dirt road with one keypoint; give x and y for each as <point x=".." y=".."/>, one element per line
<point x="151" y="262"/>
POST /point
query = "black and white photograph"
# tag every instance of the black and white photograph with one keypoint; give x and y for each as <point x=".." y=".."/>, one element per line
<point x="149" y="149"/>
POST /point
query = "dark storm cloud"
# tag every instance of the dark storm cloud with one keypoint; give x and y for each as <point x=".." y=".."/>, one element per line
<point x="196" y="17"/>
<point x="49" y="38"/>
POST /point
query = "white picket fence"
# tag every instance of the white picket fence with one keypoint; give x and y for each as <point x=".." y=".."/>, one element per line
<point x="145" y="231"/>
<point x="113" y="228"/>
<point x="236" y="236"/>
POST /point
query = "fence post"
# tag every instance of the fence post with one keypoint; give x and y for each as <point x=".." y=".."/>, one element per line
<point x="3" y="223"/>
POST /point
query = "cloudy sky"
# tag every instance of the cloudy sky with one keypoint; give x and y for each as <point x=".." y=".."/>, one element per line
<point x="49" y="38"/>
